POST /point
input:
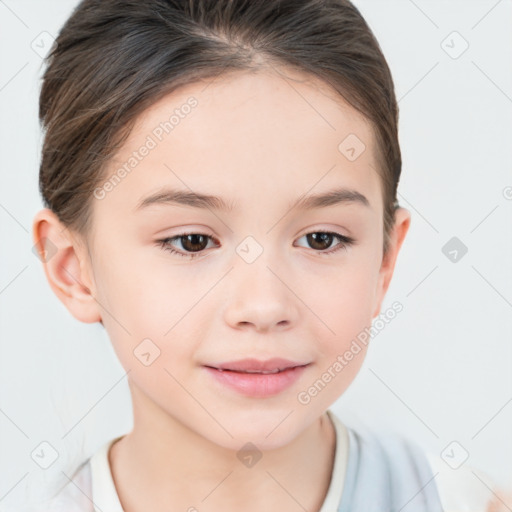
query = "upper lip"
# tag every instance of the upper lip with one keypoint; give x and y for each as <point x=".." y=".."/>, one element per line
<point x="256" y="365"/>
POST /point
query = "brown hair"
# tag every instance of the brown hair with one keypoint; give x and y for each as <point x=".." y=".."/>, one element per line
<point x="114" y="58"/>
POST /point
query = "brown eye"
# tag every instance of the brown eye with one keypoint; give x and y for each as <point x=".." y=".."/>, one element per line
<point x="321" y="241"/>
<point x="192" y="244"/>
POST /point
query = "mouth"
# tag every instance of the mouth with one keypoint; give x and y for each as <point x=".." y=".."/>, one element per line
<point x="257" y="379"/>
<point x="261" y="372"/>
<point x="269" y="366"/>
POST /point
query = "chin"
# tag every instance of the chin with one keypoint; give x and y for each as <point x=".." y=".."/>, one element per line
<point x="267" y="433"/>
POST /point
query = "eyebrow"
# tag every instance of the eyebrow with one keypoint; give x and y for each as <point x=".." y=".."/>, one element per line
<point x="205" y="201"/>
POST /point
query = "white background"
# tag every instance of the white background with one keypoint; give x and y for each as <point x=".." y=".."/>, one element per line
<point x="441" y="371"/>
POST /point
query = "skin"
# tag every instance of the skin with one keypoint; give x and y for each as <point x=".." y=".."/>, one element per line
<point x="260" y="140"/>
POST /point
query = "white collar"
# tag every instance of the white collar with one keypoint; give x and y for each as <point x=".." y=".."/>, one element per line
<point x="104" y="494"/>
<point x="333" y="497"/>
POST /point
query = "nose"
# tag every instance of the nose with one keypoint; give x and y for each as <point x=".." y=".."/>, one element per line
<point x="260" y="298"/>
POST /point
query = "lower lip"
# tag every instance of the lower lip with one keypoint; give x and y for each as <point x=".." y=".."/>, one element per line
<point x="258" y="384"/>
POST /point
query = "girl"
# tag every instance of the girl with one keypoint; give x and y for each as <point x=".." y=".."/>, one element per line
<point x="220" y="186"/>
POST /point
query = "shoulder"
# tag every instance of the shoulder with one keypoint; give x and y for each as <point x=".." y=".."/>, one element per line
<point x="385" y="469"/>
<point x="73" y="496"/>
<point x="408" y="466"/>
<point x="464" y="488"/>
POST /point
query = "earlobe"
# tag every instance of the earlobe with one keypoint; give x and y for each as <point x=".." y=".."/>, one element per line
<point x="397" y="237"/>
<point x="66" y="266"/>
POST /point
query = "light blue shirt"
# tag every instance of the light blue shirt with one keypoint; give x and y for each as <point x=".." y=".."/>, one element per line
<point x="373" y="471"/>
<point x="387" y="474"/>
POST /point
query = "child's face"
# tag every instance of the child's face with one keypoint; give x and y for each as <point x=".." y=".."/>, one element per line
<point x="259" y="288"/>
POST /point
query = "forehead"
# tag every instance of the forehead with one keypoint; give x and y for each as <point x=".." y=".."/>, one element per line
<point x="269" y="134"/>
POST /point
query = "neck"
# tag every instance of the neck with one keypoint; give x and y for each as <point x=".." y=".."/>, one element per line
<point x="164" y="465"/>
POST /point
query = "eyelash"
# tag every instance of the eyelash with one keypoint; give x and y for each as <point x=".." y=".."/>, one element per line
<point x="164" y="243"/>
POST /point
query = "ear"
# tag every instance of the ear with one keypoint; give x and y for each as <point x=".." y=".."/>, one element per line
<point x="67" y="266"/>
<point x="397" y="236"/>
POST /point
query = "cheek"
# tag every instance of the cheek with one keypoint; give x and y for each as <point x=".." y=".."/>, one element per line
<point x="345" y="301"/>
<point x="346" y="308"/>
<point x="138" y="292"/>
<point x="148" y="309"/>
<point x="341" y="348"/>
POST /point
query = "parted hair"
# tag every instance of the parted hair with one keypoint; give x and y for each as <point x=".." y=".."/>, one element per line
<point x="112" y="59"/>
